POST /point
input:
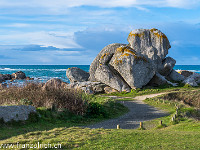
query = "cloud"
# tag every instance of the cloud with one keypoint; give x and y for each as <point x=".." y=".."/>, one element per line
<point x="63" y="6"/>
<point x="46" y="39"/>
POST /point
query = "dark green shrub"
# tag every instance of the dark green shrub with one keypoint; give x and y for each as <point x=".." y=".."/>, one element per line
<point x="96" y="110"/>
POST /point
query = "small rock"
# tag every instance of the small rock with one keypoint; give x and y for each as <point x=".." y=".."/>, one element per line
<point x="88" y="87"/>
<point x="193" y="79"/>
<point x="175" y="76"/>
<point x="185" y="73"/>
<point x="29" y="78"/>
<point x="54" y="83"/>
<point x="109" y="90"/>
<point x="18" y="75"/>
<point x="190" y="81"/>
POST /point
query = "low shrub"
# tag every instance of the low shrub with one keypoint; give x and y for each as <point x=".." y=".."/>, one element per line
<point x="34" y="94"/>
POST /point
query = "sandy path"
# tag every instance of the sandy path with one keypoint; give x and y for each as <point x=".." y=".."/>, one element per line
<point x="139" y="112"/>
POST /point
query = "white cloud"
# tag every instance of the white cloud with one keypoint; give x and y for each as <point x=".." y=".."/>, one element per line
<point x="55" y="39"/>
<point x="62" y="6"/>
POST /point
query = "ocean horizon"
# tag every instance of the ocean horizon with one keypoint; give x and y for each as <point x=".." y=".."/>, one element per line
<point x="42" y="73"/>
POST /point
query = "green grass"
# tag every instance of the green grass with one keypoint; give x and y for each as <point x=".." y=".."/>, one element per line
<point x="153" y="90"/>
<point x="183" y="133"/>
<point x="49" y="120"/>
<point x="84" y="138"/>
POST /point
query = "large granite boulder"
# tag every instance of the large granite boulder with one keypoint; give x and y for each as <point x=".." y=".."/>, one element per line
<point x="75" y="74"/>
<point x="110" y="77"/>
<point x="105" y="54"/>
<point x="150" y="42"/>
<point x="102" y="71"/>
<point x="17" y="113"/>
<point x="134" y="68"/>
<point x="18" y="75"/>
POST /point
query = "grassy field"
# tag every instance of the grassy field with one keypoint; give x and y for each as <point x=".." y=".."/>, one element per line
<point x="181" y="133"/>
<point x="153" y="90"/>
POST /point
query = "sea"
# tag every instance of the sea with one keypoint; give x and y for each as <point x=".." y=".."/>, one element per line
<point x="42" y="73"/>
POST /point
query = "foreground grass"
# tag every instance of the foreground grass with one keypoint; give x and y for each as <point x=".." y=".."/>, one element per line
<point x="182" y="133"/>
<point x="84" y="138"/>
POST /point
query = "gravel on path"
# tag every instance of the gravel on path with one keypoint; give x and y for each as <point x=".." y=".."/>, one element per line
<point x="138" y="112"/>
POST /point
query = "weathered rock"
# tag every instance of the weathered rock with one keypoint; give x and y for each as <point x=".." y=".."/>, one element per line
<point x="5" y="76"/>
<point x="150" y="42"/>
<point x="75" y="74"/>
<point x="29" y="78"/>
<point x="1" y="79"/>
<point x="18" y="75"/>
<point x="190" y="81"/>
<point x="158" y="79"/>
<point x="88" y="87"/>
<point x="54" y="83"/>
<point x="193" y="79"/>
<point x="167" y="66"/>
<point x="134" y="68"/>
<point x="16" y="113"/>
<point x="106" y="54"/>
<point x="111" y="78"/>
<point x="109" y="90"/>
<point x="185" y="73"/>
<point x="175" y="76"/>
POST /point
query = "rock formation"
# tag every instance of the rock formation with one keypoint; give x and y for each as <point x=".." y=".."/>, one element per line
<point x="142" y="62"/>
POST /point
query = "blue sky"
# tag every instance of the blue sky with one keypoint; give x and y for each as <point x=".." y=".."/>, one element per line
<point x="74" y="31"/>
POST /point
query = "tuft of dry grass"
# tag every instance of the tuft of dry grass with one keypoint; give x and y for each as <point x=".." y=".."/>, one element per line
<point x="191" y="98"/>
<point x="36" y="95"/>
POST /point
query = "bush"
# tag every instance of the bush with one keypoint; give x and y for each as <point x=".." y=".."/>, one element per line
<point x="95" y="109"/>
<point x="34" y="94"/>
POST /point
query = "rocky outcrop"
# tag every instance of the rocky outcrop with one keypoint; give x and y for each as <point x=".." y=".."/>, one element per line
<point x="88" y="87"/>
<point x="17" y="113"/>
<point x="142" y="62"/>
<point x="75" y="74"/>
<point x="18" y="75"/>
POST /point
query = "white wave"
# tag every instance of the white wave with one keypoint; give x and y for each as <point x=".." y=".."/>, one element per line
<point x="188" y="70"/>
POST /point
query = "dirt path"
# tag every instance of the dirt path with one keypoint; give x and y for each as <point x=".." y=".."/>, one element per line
<point x="139" y="112"/>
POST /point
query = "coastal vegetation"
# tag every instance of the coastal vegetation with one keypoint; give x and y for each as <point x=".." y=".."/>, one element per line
<point x="61" y="124"/>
